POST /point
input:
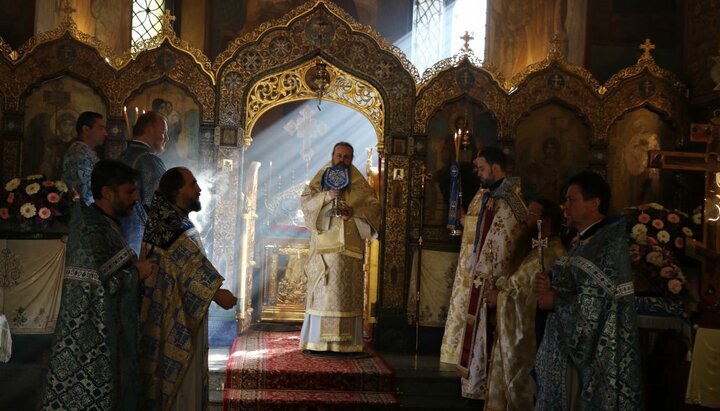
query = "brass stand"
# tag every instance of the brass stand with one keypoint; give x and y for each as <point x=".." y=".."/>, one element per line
<point x="421" y="200"/>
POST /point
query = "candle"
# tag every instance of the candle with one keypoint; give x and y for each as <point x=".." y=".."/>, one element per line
<point x="127" y="123"/>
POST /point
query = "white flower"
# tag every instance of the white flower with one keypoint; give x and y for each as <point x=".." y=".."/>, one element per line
<point x="656" y="206"/>
<point x="675" y="286"/>
<point x="61" y="186"/>
<point x="688" y="232"/>
<point x="32" y="188"/>
<point x="697" y="218"/>
<point x="663" y="236"/>
<point x="12" y="184"/>
<point x="639" y="232"/>
<point x="35" y="177"/>
<point x="28" y="210"/>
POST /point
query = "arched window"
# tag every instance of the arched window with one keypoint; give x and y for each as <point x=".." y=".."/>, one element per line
<point x="146" y="22"/>
<point x="438" y="26"/>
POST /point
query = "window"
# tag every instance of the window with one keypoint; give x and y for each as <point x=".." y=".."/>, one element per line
<point x="438" y="26"/>
<point x="146" y="20"/>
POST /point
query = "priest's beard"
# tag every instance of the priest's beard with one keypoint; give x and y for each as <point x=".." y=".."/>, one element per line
<point x="195" y="204"/>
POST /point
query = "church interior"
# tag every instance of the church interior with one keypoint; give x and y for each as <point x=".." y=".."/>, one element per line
<point x="255" y="94"/>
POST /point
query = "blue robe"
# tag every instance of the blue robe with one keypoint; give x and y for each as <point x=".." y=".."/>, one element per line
<point x="592" y="331"/>
<point x="174" y="303"/>
<point x="140" y="157"/>
<point x="77" y="167"/>
<point x="93" y="363"/>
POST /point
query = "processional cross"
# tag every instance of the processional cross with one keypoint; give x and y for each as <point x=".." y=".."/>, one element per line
<point x="540" y="243"/>
<point x="709" y="162"/>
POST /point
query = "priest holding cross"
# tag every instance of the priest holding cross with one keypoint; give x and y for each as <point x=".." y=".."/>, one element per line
<point x="510" y="385"/>
<point x="589" y="356"/>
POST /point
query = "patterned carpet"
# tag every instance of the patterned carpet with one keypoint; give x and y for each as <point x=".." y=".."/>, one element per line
<point x="267" y="371"/>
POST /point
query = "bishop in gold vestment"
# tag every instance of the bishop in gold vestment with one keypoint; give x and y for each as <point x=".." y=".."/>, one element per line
<point x="334" y="300"/>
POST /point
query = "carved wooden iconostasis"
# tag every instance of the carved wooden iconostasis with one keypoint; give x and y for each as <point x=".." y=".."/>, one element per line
<point x="258" y="100"/>
<point x="274" y="65"/>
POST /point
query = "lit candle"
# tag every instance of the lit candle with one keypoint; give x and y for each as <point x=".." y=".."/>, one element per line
<point x="127" y="122"/>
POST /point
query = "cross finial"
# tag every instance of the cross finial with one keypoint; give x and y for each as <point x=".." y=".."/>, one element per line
<point x="66" y="9"/>
<point x="167" y="18"/>
<point x="466" y="38"/>
<point x="556" y="47"/>
<point x="647" y="46"/>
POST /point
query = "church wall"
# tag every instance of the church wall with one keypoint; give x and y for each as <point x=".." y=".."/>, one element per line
<point x="107" y="20"/>
<point x="17" y="20"/>
<point x="519" y="32"/>
<point x="191" y="13"/>
<point x="701" y="59"/>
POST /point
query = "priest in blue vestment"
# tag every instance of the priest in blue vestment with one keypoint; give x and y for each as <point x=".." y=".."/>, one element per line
<point x="588" y="358"/>
<point x="93" y="363"/>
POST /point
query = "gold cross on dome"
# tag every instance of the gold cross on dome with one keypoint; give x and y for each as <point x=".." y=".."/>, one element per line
<point x="167" y="18"/>
<point x="65" y="8"/>
<point x="647" y="46"/>
<point x="466" y="38"/>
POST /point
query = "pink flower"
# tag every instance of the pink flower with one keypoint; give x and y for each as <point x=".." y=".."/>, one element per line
<point x="673" y="218"/>
<point x="4" y="213"/>
<point x="654" y="258"/>
<point x="642" y="207"/>
<point x="675" y="286"/>
<point x="667" y="272"/>
<point x="44" y="213"/>
<point x="53" y="198"/>
<point x="658" y="224"/>
<point x="652" y="241"/>
<point x="643" y="218"/>
<point x="679" y="242"/>
<point x="48" y="183"/>
<point x="11" y="198"/>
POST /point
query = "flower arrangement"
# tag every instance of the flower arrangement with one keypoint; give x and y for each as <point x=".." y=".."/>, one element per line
<point x="35" y="202"/>
<point x="657" y="239"/>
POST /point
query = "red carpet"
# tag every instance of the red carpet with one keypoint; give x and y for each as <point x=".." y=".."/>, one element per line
<point x="267" y="371"/>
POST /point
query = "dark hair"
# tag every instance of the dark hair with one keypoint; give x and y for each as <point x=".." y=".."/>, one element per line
<point x="146" y="120"/>
<point x="87" y="118"/>
<point x="111" y="173"/>
<point x="552" y="211"/>
<point x="592" y="185"/>
<point x="171" y="182"/>
<point x="494" y="155"/>
<point x="344" y="144"/>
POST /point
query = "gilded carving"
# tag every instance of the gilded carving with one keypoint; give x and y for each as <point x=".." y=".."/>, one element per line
<point x="443" y="86"/>
<point x="397" y="197"/>
<point x="296" y="84"/>
<point x="174" y="65"/>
